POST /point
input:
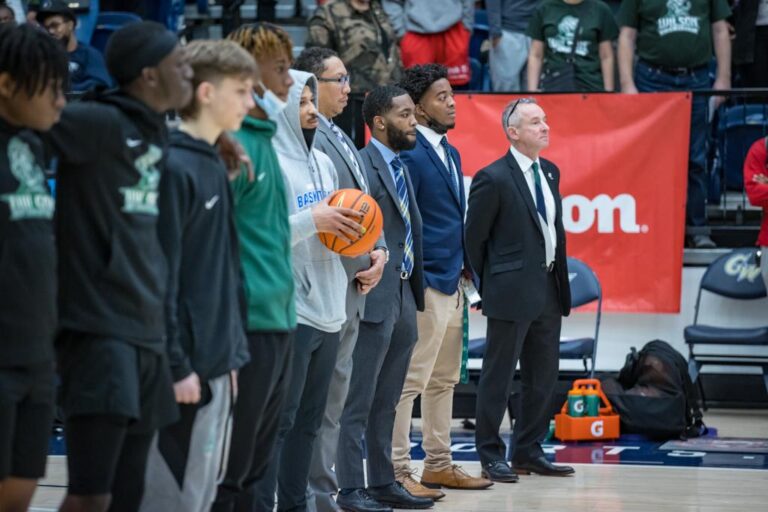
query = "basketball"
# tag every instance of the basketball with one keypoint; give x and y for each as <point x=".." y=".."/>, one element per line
<point x="372" y="222"/>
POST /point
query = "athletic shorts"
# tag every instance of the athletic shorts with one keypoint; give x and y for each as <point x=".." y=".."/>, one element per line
<point x="109" y="377"/>
<point x="26" y="418"/>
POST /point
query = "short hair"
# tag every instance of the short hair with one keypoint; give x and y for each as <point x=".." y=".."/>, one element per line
<point x="417" y="79"/>
<point x="212" y="61"/>
<point x="379" y="102"/>
<point x="8" y="8"/>
<point x="312" y="60"/>
<point x="33" y="59"/>
<point x="263" y="40"/>
<point x="511" y="114"/>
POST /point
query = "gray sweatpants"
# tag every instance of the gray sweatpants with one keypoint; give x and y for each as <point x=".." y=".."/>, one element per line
<point x="187" y="459"/>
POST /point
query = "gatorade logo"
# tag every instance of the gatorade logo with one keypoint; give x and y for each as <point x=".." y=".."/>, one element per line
<point x="578" y="406"/>
<point x="597" y="428"/>
<point x="580" y="214"/>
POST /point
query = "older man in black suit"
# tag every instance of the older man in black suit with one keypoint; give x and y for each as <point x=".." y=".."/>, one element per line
<point x="516" y="244"/>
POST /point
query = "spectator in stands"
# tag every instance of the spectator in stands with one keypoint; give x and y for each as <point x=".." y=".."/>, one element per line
<point x="436" y="32"/>
<point x="360" y="32"/>
<point x="508" y="21"/>
<point x="750" y="57"/>
<point x="756" y="184"/>
<point x="6" y="14"/>
<point x="86" y="65"/>
<point x="674" y="48"/>
<point x="555" y="27"/>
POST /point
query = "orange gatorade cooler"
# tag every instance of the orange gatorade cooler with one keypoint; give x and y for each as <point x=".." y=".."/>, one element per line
<point x="605" y="425"/>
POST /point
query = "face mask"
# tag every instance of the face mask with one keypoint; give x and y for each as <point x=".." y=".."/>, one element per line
<point x="270" y="103"/>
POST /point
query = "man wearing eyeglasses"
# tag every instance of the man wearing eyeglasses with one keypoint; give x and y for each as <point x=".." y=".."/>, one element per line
<point x="516" y="244"/>
<point x="363" y="273"/>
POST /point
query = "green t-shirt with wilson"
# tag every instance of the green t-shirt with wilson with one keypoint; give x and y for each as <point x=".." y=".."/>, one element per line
<point x="554" y="22"/>
<point x="673" y="33"/>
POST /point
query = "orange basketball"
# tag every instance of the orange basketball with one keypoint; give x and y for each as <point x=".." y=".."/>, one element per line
<point x="372" y="222"/>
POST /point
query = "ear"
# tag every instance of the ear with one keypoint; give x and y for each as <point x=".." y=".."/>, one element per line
<point x="205" y="93"/>
<point x="512" y="133"/>
<point x="378" y="123"/>
<point x="7" y="86"/>
<point x="150" y="76"/>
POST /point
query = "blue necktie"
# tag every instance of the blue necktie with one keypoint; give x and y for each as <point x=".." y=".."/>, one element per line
<point x="541" y="207"/>
<point x="404" y="205"/>
<point x="451" y="167"/>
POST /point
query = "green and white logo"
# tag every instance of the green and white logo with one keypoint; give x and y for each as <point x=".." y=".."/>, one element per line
<point x="678" y="19"/>
<point x="31" y="200"/>
<point x="142" y="197"/>
<point x="566" y="33"/>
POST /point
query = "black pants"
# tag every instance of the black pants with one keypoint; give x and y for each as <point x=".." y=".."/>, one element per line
<point x="755" y="74"/>
<point x="262" y="387"/>
<point x="314" y="358"/>
<point x="535" y="344"/>
<point x="104" y="458"/>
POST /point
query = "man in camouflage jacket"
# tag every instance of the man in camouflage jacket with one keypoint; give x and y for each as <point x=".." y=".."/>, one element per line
<point x="360" y="32"/>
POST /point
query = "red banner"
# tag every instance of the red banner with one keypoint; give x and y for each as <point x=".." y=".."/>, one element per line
<point x="623" y="162"/>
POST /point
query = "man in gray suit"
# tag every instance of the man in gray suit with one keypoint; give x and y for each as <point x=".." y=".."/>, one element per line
<point x="388" y="329"/>
<point x="363" y="272"/>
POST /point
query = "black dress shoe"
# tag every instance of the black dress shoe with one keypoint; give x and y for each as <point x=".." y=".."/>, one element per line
<point x="499" y="471"/>
<point x="359" y="500"/>
<point x="541" y="466"/>
<point x="396" y="496"/>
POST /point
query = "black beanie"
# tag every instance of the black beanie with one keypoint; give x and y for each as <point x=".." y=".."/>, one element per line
<point x="137" y="46"/>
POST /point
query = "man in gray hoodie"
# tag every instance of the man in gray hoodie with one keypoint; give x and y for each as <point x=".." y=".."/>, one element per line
<point x="436" y="32"/>
<point x="321" y="286"/>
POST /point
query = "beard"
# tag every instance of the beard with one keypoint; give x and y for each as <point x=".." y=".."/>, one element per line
<point x="398" y="139"/>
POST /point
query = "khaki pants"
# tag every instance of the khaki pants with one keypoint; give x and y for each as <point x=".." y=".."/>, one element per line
<point x="433" y="372"/>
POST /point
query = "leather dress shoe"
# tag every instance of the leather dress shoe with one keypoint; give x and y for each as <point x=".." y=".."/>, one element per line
<point x="499" y="471"/>
<point x="359" y="500"/>
<point x="453" y="478"/>
<point x="396" y="496"/>
<point x="541" y="466"/>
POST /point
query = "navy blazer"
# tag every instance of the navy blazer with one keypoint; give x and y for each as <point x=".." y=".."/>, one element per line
<point x="442" y="214"/>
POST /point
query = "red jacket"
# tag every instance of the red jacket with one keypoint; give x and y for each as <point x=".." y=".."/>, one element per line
<point x="755" y="164"/>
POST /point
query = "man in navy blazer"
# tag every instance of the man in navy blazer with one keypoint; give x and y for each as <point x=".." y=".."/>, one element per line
<point x="435" y="366"/>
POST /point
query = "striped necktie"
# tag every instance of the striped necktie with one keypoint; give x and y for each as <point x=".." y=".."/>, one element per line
<point x="541" y="206"/>
<point x="351" y="155"/>
<point x="451" y="166"/>
<point x="404" y="205"/>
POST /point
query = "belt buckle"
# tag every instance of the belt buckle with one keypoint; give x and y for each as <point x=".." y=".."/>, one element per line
<point x="404" y="275"/>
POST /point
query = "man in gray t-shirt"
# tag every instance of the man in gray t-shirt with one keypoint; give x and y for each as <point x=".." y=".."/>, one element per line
<point x="508" y="21"/>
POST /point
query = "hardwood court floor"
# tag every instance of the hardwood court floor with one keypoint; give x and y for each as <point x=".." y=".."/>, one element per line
<point x="594" y="488"/>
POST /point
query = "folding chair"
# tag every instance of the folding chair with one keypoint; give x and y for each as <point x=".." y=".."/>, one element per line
<point x="736" y="276"/>
<point x="107" y="23"/>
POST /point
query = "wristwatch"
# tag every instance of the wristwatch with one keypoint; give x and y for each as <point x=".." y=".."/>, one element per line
<point x="386" y="252"/>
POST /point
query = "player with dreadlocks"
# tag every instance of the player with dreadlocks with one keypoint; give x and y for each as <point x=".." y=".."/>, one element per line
<point x="261" y="219"/>
<point x="33" y="69"/>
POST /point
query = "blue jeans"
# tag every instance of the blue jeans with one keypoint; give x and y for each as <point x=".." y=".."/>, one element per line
<point x="648" y="79"/>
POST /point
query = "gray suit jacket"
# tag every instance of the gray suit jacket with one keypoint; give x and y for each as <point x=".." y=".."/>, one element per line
<point x="383" y="191"/>
<point x="327" y="142"/>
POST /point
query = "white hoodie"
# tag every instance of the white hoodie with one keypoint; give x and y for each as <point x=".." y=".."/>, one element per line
<point x="321" y="282"/>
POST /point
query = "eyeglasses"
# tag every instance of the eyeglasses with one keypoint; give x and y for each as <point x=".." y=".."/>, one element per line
<point x="525" y="101"/>
<point x="342" y="80"/>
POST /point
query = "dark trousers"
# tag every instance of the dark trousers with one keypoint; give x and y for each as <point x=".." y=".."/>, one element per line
<point x="262" y="387"/>
<point x="535" y="344"/>
<point x="755" y="74"/>
<point x="314" y="358"/>
<point x="649" y="79"/>
<point x="379" y="366"/>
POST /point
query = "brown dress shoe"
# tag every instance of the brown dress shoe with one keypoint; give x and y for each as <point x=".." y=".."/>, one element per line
<point x="418" y="490"/>
<point x="453" y="478"/>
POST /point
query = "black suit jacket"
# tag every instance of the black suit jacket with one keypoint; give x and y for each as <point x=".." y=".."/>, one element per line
<point x="379" y="301"/>
<point x="505" y="242"/>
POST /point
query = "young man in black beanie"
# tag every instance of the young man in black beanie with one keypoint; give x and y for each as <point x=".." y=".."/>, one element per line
<point x="116" y="389"/>
<point x="33" y="69"/>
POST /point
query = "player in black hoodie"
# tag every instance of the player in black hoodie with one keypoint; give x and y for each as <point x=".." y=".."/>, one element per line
<point x="206" y="337"/>
<point x="33" y="69"/>
<point x="116" y="384"/>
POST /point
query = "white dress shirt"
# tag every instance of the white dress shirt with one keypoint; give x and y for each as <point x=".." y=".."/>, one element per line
<point x="526" y="164"/>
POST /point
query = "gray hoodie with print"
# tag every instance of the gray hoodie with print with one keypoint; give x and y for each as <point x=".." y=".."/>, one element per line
<point x="321" y="282"/>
